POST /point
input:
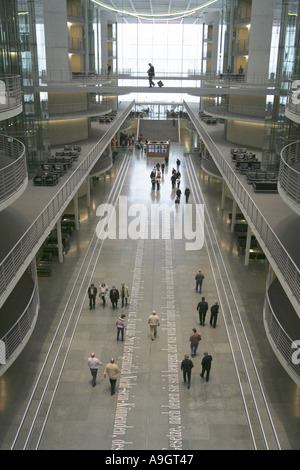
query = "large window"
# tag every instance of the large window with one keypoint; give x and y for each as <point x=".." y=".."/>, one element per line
<point x="174" y="50"/>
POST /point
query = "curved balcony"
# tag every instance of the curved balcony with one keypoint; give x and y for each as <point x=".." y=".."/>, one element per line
<point x="209" y="166"/>
<point x="76" y="110"/>
<point x="10" y="96"/>
<point x="282" y="329"/>
<point x="17" y="335"/>
<point x="13" y="170"/>
<point x="289" y="176"/>
<point x="292" y="110"/>
<point x="236" y="112"/>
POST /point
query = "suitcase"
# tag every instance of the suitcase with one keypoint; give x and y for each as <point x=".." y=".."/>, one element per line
<point x="160" y="84"/>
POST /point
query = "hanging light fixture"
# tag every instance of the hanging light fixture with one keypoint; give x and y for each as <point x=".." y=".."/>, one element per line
<point x="153" y="16"/>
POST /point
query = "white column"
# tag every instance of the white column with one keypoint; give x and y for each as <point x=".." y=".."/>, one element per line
<point x="76" y="211"/>
<point x="248" y="242"/>
<point x="223" y="195"/>
<point x="59" y="242"/>
<point x="89" y="192"/>
<point x="233" y="215"/>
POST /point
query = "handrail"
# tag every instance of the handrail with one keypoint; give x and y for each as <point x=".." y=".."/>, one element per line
<point x="13" y="175"/>
<point x="281" y="340"/>
<point x="10" y="92"/>
<point x="257" y="79"/>
<point x="289" y="176"/>
<point x="15" y="336"/>
<point x="283" y="262"/>
<point x="26" y="247"/>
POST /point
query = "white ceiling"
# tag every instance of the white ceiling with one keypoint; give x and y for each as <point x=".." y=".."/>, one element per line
<point x="165" y="9"/>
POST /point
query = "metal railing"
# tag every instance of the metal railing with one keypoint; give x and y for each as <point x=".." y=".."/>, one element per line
<point x="289" y="172"/>
<point x="234" y="110"/>
<point x="276" y="252"/>
<point x="16" y="335"/>
<point x="281" y="340"/>
<point x="22" y="253"/>
<point x="72" y="108"/>
<point x="10" y="92"/>
<point x="13" y="175"/>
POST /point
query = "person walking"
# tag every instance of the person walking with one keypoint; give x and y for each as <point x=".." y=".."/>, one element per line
<point x="151" y="74"/>
<point x="178" y="193"/>
<point x="186" y="367"/>
<point x="173" y="180"/>
<point x="124" y="294"/>
<point x="92" y="292"/>
<point x="214" y="314"/>
<point x="103" y="290"/>
<point x="202" y="308"/>
<point x="114" y="296"/>
<point x="199" y="280"/>
<point x="94" y="363"/>
<point x="206" y="365"/>
<point x="120" y="324"/>
<point x="194" y="339"/>
<point x="153" y="321"/>
<point x="112" y="370"/>
<point x="187" y="193"/>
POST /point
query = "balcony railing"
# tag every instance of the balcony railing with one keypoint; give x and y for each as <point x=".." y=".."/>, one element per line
<point x="289" y="172"/>
<point x="14" y="174"/>
<point x="283" y="344"/>
<point x="17" y="260"/>
<point x="287" y="270"/>
<point x="10" y="92"/>
<point x="14" y="338"/>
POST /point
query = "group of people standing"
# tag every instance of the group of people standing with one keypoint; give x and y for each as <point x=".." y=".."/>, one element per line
<point x="114" y="295"/>
<point x="156" y="175"/>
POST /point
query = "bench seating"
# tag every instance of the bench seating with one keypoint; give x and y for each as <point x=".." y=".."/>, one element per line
<point x="260" y="176"/>
<point x="265" y="187"/>
<point x="244" y="166"/>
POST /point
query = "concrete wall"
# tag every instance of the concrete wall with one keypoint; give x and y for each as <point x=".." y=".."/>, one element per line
<point x="260" y="39"/>
<point x="56" y="37"/>
<point x="245" y="134"/>
<point x="69" y="131"/>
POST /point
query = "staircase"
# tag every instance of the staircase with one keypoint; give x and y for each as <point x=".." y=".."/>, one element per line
<point x="159" y="130"/>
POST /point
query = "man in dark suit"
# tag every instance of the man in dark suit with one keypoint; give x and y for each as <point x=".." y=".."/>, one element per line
<point x="92" y="292"/>
<point x="151" y="74"/>
<point x="214" y="314"/>
<point x="202" y="308"/>
<point x="206" y="365"/>
<point x="186" y="367"/>
<point x="114" y="296"/>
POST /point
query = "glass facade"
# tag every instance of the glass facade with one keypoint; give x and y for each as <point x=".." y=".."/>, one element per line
<point x="175" y="50"/>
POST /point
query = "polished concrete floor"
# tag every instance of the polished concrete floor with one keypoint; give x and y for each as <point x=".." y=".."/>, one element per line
<point x="152" y="408"/>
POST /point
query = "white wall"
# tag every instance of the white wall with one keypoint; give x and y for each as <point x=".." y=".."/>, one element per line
<point x="56" y="37"/>
<point x="260" y="39"/>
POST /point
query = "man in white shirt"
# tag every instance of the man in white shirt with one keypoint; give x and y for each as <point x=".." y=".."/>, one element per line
<point x="154" y="323"/>
<point x="94" y="364"/>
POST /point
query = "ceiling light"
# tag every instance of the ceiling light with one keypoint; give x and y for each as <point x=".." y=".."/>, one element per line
<point x="153" y="16"/>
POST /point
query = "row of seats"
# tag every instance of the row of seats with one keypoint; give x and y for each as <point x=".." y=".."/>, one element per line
<point x="56" y="166"/>
<point x="49" y="249"/>
<point x="107" y="118"/>
<point x="207" y="118"/>
<point x="247" y="164"/>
